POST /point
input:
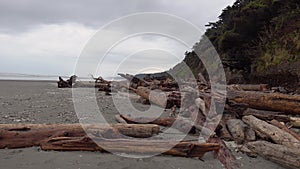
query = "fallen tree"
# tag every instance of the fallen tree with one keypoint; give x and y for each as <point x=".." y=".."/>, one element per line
<point x="144" y="147"/>
<point x="163" y="99"/>
<point x="289" y="104"/>
<point x="27" y="135"/>
<point x="272" y="132"/>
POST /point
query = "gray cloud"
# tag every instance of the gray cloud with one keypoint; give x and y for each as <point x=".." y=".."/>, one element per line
<point x="22" y="15"/>
<point x="46" y="36"/>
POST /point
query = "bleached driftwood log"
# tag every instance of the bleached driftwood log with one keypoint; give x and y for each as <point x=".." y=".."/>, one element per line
<point x="287" y="157"/>
<point x="276" y="134"/>
<point x="283" y="127"/>
<point x="240" y="131"/>
<point x="295" y="121"/>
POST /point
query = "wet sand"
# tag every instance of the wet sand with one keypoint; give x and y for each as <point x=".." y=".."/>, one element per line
<point x="43" y="102"/>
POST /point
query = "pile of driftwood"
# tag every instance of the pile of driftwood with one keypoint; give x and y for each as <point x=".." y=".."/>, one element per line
<point x="261" y="120"/>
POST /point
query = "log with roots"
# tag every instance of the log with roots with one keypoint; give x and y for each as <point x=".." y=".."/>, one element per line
<point x="66" y="84"/>
<point x="287" y="157"/>
<point x="289" y="104"/>
<point x="276" y="134"/>
<point x="143" y="147"/>
<point x="27" y="135"/>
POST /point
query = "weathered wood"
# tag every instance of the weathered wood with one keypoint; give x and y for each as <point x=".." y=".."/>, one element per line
<point x="158" y="98"/>
<point x="27" y="135"/>
<point x="285" y="156"/>
<point x="223" y="132"/>
<point x="236" y="128"/>
<point x="184" y="148"/>
<point x="283" y="127"/>
<point x="66" y="84"/>
<point x="266" y="115"/>
<point x="252" y="87"/>
<point x="276" y="134"/>
<point x="295" y="121"/>
<point x="119" y="119"/>
<point x="290" y="104"/>
<point x="179" y="123"/>
<point x="224" y="154"/>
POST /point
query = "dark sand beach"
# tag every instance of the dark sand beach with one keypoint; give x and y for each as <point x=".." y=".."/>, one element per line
<point x="43" y="102"/>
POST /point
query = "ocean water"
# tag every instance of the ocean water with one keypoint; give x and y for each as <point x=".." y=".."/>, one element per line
<point x="16" y="76"/>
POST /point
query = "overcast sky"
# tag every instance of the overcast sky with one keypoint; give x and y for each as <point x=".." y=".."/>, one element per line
<point x="47" y="36"/>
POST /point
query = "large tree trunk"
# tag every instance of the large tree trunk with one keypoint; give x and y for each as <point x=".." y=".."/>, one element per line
<point x="158" y="98"/>
<point x="163" y="99"/>
<point x="27" y="135"/>
<point x="287" y="157"/>
<point x="144" y="147"/>
<point x="276" y="134"/>
<point x="267" y="101"/>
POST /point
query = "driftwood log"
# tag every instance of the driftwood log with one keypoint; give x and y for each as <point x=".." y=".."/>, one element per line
<point x="184" y="148"/>
<point x="295" y="121"/>
<point x="162" y="99"/>
<point x="27" y="135"/>
<point x="180" y="124"/>
<point x="287" y="157"/>
<point x="66" y="83"/>
<point x="251" y="87"/>
<point x="266" y="115"/>
<point x="283" y="127"/>
<point x="289" y="104"/>
<point x="276" y="134"/>
<point x="224" y="154"/>
<point x="158" y="98"/>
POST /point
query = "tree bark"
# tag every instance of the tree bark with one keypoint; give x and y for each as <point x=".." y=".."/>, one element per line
<point x="295" y="121"/>
<point x="252" y="87"/>
<point x="283" y="127"/>
<point x="179" y="124"/>
<point x="289" y="104"/>
<point x="184" y="148"/>
<point x="287" y="157"/>
<point x="266" y="115"/>
<point x="27" y="135"/>
<point x="158" y="98"/>
<point x="276" y="134"/>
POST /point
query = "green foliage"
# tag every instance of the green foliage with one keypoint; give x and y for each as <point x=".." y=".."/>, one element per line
<point x="253" y="35"/>
<point x="279" y="49"/>
<point x="254" y="5"/>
